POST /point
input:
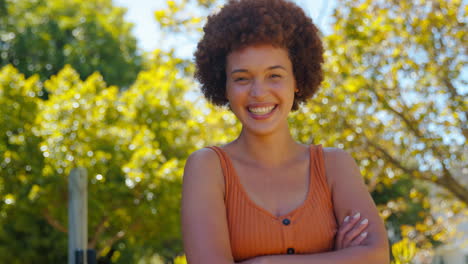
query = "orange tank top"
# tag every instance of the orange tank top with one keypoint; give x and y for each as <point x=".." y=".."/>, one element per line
<point x="253" y="231"/>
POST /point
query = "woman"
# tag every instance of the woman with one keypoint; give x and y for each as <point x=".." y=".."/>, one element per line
<point x="264" y="198"/>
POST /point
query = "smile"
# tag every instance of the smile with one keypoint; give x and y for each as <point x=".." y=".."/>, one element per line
<point x="261" y="112"/>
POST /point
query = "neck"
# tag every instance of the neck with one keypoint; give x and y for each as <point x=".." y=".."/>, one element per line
<point x="268" y="151"/>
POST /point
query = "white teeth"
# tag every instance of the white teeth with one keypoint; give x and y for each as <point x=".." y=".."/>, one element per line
<point x="261" y="110"/>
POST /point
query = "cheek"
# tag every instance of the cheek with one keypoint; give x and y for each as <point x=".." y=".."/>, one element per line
<point x="235" y="93"/>
<point x="286" y="89"/>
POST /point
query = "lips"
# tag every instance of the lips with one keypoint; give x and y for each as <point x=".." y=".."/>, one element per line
<point x="261" y="111"/>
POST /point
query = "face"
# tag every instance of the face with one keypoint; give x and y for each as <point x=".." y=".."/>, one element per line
<point x="260" y="87"/>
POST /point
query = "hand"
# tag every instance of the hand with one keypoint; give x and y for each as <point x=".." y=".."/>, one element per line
<point x="351" y="232"/>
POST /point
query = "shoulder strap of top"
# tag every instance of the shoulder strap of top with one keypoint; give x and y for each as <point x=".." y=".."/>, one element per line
<point x="224" y="165"/>
<point x="317" y="152"/>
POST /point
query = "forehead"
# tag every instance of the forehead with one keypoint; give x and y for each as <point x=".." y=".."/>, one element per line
<point x="258" y="56"/>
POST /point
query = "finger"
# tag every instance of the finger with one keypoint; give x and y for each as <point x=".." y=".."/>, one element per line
<point x="343" y="228"/>
<point x="353" y="233"/>
<point x="336" y="243"/>
<point x="339" y="233"/>
<point x="347" y="225"/>
<point x="359" y="239"/>
<point x="356" y="241"/>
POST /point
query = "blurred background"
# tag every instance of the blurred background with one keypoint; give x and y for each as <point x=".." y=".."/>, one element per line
<point x="107" y="86"/>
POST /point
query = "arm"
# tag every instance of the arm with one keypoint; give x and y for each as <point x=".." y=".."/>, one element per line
<point x="350" y="195"/>
<point x="204" y="224"/>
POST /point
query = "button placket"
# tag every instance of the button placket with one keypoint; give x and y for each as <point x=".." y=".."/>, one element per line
<point x="287" y="233"/>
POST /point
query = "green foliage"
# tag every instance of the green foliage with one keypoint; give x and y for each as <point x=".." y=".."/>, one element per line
<point x="132" y="143"/>
<point x="23" y="235"/>
<point x="42" y="36"/>
<point x="393" y="97"/>
<point x="180" y="260"/>
<point x="134" y="172"/>
<point x="404" y="251"/>
<point x="178" y="16"/>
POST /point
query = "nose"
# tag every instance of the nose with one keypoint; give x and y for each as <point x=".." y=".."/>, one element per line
<point x="258" y="90"/>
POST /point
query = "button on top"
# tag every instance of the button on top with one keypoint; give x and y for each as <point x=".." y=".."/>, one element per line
<point x="286" y="221"/>
<point x="290" y="251"/>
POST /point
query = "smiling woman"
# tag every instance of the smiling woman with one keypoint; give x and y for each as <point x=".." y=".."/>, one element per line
<point x="265" y="198"/>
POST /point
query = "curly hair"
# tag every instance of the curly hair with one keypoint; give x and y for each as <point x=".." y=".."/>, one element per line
<point x="241" y="23"/>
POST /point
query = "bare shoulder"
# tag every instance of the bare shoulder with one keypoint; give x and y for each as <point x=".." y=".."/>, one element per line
<point x="337" y="163"/>
<point x="332" y="153"/>
<point x="202" y="157"/>
<point x="203" y="212"/>
<point x="203" y="168"/>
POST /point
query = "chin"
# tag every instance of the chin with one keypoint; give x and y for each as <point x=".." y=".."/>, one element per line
<point x="261" y="129"/>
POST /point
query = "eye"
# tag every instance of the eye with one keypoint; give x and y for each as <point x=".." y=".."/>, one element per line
<point x="275" y="76"/>
<point x="240" y="79"/>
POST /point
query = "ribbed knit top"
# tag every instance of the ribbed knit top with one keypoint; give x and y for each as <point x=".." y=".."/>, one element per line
<point x="253" y="231"/>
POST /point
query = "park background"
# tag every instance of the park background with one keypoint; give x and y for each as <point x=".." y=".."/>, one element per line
<point x="77" y="89"/>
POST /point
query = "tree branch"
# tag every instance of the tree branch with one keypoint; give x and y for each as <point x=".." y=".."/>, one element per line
<point x="460" y="191"/>
<point x="397" y="163"/>
<point x="409" y="122"/>
<point x="119" y="235"/>
<point x="112" y="240"/>
<point x="101" y="227"/>
<point x="446" y="181"/>
<point x="455" y="97"/>
<point x="53" y="222"/>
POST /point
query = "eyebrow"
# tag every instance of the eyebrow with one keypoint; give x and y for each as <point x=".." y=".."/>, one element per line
<point x="269" y="68"/>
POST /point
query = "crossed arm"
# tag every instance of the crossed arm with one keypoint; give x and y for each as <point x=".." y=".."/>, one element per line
<point x="204" y="224"/>
<point x="352" y="255"/>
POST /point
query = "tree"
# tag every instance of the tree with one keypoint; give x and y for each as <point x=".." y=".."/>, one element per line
<point x="395" y="98"/>
<point x="400" y="109"/>
<point x="133" y="142"/>
<point x="415" y="82"/>
<point x="42" y="36"/>
<point x="23" y="234"/>
<point x="135" y="170"/>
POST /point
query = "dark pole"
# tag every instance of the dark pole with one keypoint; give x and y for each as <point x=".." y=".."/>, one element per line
<point x="79" y="257"/>
<point x="91" y="256"/>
